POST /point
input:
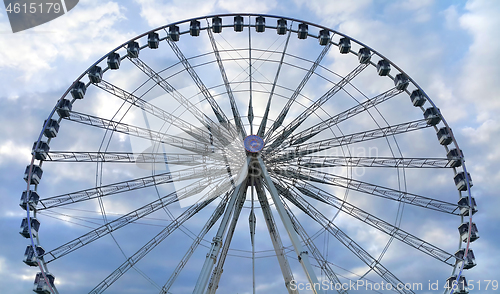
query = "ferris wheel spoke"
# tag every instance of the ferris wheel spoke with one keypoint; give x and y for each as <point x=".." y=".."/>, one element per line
<point x="208" y="96"/>
<point x="218" y="212"/>
<point x="234" y="107"/>
<point x="221" y="133"/>
<point x="263" y="123"/>
<point x="137" y="158"/>
<point x="300" y="150"/>
<point x="144" y="133"/>
<point x="131" y="185"/>
<point x="160" y="113"/>
<point x="120" y="222"/>
<point x="288" y="130"/>
<point x="213" y="284"/>
<point x="369" y="161"/>
<point x="148" y="247"/>
<point x="349" y="243"/>
<point x="385" y="227"/>
<point x="279" y="249"/>
<point x="322" y="262"/>
<point x="281" y="117"/>
<point x="307" y="174"/>
<point x="334" y="120"/>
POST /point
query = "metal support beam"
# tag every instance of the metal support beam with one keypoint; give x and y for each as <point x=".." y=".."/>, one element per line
<point x="301" y="253"/>
<point x="210" y="260"/>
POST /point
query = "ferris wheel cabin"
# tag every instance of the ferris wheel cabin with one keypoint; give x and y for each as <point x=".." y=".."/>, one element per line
<point x="78" y="91"/>
<point x="464" y="232"/>
<point x="35" y="225"/>
<point x="64" y="108"/>
<point x="464" y="205"/>
<point x="36" y="174"/>
<point x="133" y="49"/>
<point x="470" y="261"/>
<point x="51" y="129"/>
<point x="260" y="24"/>
<point x="302" y="32"/>
<point x="454" y="156"/>
<point x="401" y="82"/>
<point x="344" y="45"/>
<point x="460" y="181"/>
<point x="417" y="98"/>
<point x="40" y="152"/>
<point x="461" y="286"/>
<point x="364" y="55"/>
<point x="114" y="60"/>
<point x="153" y="40"/>
<point x="238" y="23"/>
<point x="432" y="116"/>
<point x="29" y="255"/>
<point x="383" y="67"/>
<point x="217" y="25"/>
<point x="95" y="74"/>
<point x="444" y="136"/>
<point x="32" y="200"/>
<point x="324" y="37"/>
<point x="173" y="33"/>
<point x="281" y="26"/>
<point x="40" y="286"/>
<point x="194" y="28"/>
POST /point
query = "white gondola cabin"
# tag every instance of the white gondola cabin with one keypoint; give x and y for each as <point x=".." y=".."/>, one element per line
<point x="29" y="255"/>
<point x="401" y="82"/>
<point x="302" y="32"/>
<point x="31" y="201"/>
<point x="460" y="287"/>
<point x="153" y="40"/>
<point x="344" y="45"/>
<point x="95" y="74"/>
<point x="454" y="156"/>
<point x="460" y="181"/>
<point x="133" y="49"/>
<point x="324" y="37"/>
<point x="64" y="108"/>
<point x="238" y="23"/>
<point x="432" y="116"/>
<point x="173" y="33"/>
<point x="383" y="67"/>
<point x="36" y="174"/>
<point x="364" y="55"/>
<point x="78" y="91"/>
<point x="51" y="129"/>
<point x="464" y="232"/>
<point x="35" y="225"/>
<point x="260" y="24"/>
<point x="194" y="28"/>
<point x="41" y="151"/>
<point x="114" y="60"/>
<point x="41" y="286"/>
<point x="464" y="206"/>
<point x="444" y="136"/>
<point x="217" y="25"/>
<point x="469" y="262"/>
<point x="281" y="26"/>
<point x="417" y="98"/>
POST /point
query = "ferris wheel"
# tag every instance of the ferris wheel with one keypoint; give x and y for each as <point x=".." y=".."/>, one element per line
<point x="246" y="143"/>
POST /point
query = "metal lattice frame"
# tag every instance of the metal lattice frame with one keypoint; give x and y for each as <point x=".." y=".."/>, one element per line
<point x="210" y="161"/>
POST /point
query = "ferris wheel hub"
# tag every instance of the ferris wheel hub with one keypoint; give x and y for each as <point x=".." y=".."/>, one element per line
<point x="253" y="143"/>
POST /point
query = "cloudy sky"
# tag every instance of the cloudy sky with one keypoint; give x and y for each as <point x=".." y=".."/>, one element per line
<point x="448" y="47"/>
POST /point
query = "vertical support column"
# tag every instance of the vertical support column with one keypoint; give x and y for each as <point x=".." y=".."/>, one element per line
<point x="211" y="258"/>
<point x="301" y="253"/>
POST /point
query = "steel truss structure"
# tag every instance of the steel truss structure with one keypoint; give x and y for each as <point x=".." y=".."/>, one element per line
<point x="187" y="159"/>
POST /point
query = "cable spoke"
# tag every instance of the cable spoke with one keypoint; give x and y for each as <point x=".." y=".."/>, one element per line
<point x="391" y="230"/>
<point x="221" y="133"/>
<point x="187" y="127"/>
<point x="262" y="127"/>
<point x="120" y="222"/>
<point x="176" y="141"/>
<point x="129" y="157"/>
<point x="349" y="243"/>
<point x="208" y="96"/>
<point x="131" y="185"/>
<point x="278" y="140"/>
<point x="281" y="117"/>
<point x="304" y="149"/>
<point x="136" y="257"/>
<point x="307" y="174"/>
<point x="368" y="161"/>
<point x="234" y="107"/>
<point x="218" y="212"/>
<point x="334" y="120"/>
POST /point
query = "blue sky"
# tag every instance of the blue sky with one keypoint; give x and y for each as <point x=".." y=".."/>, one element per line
<point x="448" y="48"/>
